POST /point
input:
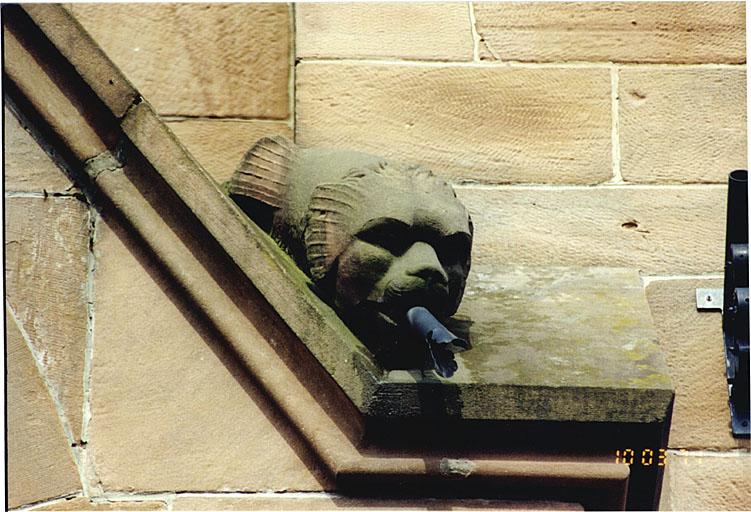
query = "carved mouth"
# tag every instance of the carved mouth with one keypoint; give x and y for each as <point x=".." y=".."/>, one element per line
<point x="392" y="305"/>
<point x="394" y="313"/>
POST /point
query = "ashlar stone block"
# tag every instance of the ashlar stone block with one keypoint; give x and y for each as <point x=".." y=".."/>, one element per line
<point x="666" y="230"/>
<point x="220" y="144"/>
<point x="27" y="168"/>
<point x="676" y="32"/>
<point x="701" y="481"/>
<point x="467" y="123"/>
<point x="419" y="31"/>
<point x="223" y="60"/>
<point x="682" y="125"/>
<point x="169" y="409"/>
<point x="40" y="464"/>
<point x="693" y="346"/>
<point x="46" y="248"/>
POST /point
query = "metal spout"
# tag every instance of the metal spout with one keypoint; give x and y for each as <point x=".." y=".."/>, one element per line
<point x="442" y="344"/>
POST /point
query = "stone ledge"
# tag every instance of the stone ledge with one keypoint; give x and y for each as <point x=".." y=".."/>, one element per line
<point x="549" y="344"/>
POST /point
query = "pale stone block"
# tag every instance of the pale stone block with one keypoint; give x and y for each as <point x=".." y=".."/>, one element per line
<point x="707" y="482"/>
<point x="612" y="31"/>
<point x="46" y="247"/>
<point x="420" y="31"/>
<point x="657" y="230"/>
<point x="171" y="410"/>
<point x="467" y="123"/>
<point x="334" y="502"/>
<point x="40" y="465"/>
<point x="219" y="144"/>
<point x="693" y="347"/>
<point x="682" y="125"/>
<point x="27" y="168"/>
<point x="225" y="60"/>
<point x="81" y="503"/>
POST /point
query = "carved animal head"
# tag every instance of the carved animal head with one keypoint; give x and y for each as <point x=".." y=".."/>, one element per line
<point x="376" y="237"/>
<point x="389" y="237"/>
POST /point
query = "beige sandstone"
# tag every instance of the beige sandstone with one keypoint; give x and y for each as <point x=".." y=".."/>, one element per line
<point x="693" y="348"/>
<point x="170" y="410"/>
<point x="467" y="123"/>
<point x="27" y="168"/>
<point x="420" y="31"/>
<point x="219" y="144"/>
<point x="82" y="503"/>
<point x="682" y="125"/>
<point x="704" y="481"/>
<point x="334" y="502"/>
<point x="657" y="230"/>
<point x="199" y="59"/>
<point x="612" y="31"/>
<point x="46" y="244"/>
<point x="39" y="464"/>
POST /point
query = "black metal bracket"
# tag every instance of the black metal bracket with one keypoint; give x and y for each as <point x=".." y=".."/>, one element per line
<point x="735" y="318"/>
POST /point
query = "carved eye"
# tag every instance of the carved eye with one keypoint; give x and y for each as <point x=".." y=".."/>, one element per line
<point x="392" y="241"/>
<point x="388" y="234"/>
<point x="453" y="249"/>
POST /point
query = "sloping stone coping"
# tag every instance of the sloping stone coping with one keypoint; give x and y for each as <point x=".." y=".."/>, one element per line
<point x="87" y="115"/>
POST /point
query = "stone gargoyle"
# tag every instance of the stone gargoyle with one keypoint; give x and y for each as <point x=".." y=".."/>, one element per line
<point x="386" y="244"/>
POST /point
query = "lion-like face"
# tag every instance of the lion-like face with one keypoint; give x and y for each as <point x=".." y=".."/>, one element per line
<point x="402" y="239"/>
<point x="391" y="266"/>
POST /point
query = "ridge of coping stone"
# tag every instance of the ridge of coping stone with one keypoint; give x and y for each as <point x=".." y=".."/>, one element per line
<point x="223" y="219"/>
<point x="71" y="39"/>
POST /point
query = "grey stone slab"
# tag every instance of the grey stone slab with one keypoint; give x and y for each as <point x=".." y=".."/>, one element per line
<point x="549" y="343"/>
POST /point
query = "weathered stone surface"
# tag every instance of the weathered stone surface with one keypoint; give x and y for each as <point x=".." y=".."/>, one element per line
<point x="332" y="502"/>
<point x="657" y="230"/>
<point x="421" y="31"/>
<point x="46" y="244"/>
<point x="539" y="337"/>
<point x="168" y="411"/>
<point x="682" y="125"/>
<point x="467" y="123"/>
<point x="612" y="31"/>
<point x="27" y="167"/>
<point x="706" y="482"/>
<point x="199" y="59"/>
<point x="40" y="465"/>
<point x="220" y="144"/>
<point x="81" y="503"/>
<point x="693" y="347"/>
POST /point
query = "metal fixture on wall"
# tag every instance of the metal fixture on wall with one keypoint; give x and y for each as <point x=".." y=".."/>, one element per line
<point x="733" y="302"/>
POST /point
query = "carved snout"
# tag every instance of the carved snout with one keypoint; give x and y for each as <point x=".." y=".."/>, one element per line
<point x="420" y="260"/>
<point x="416" y="278"/>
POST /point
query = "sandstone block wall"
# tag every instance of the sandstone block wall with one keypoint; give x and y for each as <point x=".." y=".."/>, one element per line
<point x="577" y="134"/>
